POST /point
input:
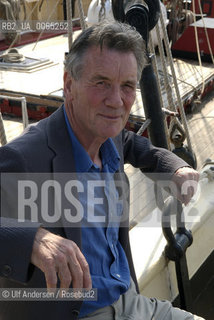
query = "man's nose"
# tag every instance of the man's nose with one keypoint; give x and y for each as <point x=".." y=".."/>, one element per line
<point x="114" y="98"/>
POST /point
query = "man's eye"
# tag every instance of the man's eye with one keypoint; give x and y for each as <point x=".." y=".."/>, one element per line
<point x="102" y="84"/>
<point x="129" y="86"/>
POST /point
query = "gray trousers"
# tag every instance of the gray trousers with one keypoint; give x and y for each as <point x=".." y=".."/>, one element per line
<point x="133" y="306"/>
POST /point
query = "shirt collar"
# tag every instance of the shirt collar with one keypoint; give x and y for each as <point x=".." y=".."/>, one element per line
<point x="83" y="163"/>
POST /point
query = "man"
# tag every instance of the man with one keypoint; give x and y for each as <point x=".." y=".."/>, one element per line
<point x="87" y="136"/>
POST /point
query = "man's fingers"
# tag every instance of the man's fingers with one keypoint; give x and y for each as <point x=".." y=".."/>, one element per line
<point x="55" y="255"/>
<point x="51" y="278"/>
<point x="65" y="277"/>
<point x="186" y="192"/>
<point x="75" y="270"/>
<point x="79" y="268"/>
<point x="87" y="283"/>
<point x="64" y="273"/>
<point x="185" y="180"/>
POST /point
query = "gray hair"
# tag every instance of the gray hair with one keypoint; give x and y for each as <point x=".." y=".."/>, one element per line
<point x="112" y="35"/>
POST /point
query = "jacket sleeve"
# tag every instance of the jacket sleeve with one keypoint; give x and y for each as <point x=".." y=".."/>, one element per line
<point x="139" y="152"/>
<point x="16" y="239"/>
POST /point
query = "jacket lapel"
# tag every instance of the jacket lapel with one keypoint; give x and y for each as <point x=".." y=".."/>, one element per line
<point x="63" y="162"/>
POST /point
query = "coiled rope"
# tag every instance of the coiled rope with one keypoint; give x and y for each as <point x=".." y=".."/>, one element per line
<point x="12" y="56"/>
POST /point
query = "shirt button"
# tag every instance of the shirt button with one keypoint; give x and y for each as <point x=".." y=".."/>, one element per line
<point x="118" y="275"/>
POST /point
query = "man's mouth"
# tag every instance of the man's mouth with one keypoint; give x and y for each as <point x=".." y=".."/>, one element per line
<point x="110" y="117"/>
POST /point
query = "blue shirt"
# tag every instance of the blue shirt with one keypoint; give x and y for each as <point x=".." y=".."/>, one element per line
<point x="100" y="245"/>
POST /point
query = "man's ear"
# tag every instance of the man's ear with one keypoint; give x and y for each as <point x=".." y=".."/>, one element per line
<point x="67" y="83"/>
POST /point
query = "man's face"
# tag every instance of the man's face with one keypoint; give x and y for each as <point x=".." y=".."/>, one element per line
<point x="99" y="103"/>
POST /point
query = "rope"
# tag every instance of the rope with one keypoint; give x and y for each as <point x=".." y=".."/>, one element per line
<point x="3" y="138"/>
<point x="22" y="2"/>
<point x="10" y="10"/>
<point x="17" y="35"/>
<point x="166" y="81"/>
<point x="180" y="105"/>
<point x="175" y="11"/>
<point x="144" y="127"/>
<point x="12" y="56"/>
<point x="41" y="33"/>
<point x="198" y="49"/>
<point x="70" y="24"/>
<point x="205" y="29"/>
<point x="186" y="22"/>
<point x="155" y="68"/>
<point x="41" y="4"/>
<point x="165" y="71"/>
<point x="102" y="12"/>
<point x="81" y="14"/>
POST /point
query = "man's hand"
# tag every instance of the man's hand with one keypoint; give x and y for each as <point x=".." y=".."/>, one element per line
<point x="55" y="255"/>
<point x="185" y="180"/>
